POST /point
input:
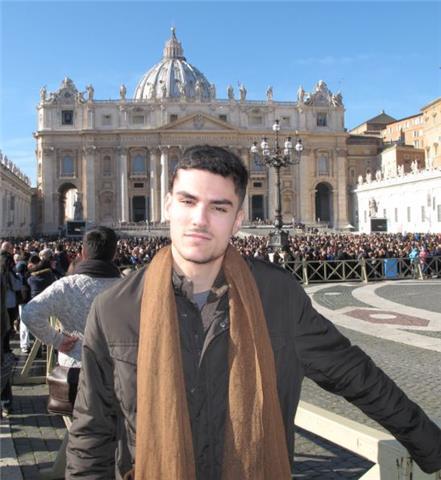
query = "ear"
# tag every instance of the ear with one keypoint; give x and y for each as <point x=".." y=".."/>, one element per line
<point x="238" y="221"/>
<point x="167" y="205"/>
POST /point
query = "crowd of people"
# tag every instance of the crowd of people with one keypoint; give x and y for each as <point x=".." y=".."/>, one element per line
<point x="31" y="265"/>
<point x="136" y="251"/>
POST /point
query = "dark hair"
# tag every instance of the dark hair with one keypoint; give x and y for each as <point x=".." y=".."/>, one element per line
<point x="217" y="160"/>
<point x="100" y="243"/>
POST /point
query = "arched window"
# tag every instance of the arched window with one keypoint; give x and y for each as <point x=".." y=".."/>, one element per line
<point x="138" y="164"/>
<point x="107" y="166"/>
<point x="67" y="166"/>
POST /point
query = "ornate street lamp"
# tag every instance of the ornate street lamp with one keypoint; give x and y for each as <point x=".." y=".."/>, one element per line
<point x="277" y="157"/>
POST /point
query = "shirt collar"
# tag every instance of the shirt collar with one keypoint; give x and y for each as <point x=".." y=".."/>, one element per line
<point x="183" y="286"/>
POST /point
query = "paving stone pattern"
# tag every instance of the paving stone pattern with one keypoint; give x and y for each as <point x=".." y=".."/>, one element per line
<point x="427" y="333"/>
<point x="335" y="302"/>
<point x="425" y="296"/>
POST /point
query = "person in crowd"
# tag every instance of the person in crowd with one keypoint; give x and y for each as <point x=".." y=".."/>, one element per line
<point x="69" y="298"/>
<point x="196" y="362"/>
<point x="6" y="358"/>
<point x="41" y="271"/>
<point x="23" y="274"/>
<point x="7" y="268"/>
<point x="61" y="260"/>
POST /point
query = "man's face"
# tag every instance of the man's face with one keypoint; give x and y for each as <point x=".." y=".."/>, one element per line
<point x="204" y="213"/>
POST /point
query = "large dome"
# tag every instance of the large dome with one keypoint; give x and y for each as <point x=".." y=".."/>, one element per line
<point x="174" y="77"/>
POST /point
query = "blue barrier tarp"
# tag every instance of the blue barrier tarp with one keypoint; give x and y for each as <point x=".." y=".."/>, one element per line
<point x="390" y="268"/>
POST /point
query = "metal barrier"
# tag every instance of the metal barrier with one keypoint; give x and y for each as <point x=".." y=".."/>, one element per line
<point x="392" y="460"/>
<point x="364" y="270"/>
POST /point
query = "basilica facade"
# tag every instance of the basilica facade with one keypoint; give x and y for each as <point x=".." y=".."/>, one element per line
<point x="118" y="155"/>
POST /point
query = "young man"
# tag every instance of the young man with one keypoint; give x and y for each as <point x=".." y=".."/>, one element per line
<point x="198" y="359"/>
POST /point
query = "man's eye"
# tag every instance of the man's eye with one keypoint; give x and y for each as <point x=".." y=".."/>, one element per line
<point x="186" y="201"/>
<point x="220" y="209"/>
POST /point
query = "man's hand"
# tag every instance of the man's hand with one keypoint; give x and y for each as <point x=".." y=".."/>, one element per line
<point x="67" y="344"/>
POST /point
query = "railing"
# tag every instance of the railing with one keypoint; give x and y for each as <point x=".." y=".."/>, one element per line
<point x="364" y="270"/>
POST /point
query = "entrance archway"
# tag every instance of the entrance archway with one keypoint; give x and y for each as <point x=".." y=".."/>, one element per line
<point x="323" y="202"/>
<point x="67" y="195"/>
<point x="139" y="209"/>
<point x="257" y="207"/>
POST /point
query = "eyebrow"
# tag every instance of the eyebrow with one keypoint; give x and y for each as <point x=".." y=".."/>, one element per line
<point x="220" y="201"/>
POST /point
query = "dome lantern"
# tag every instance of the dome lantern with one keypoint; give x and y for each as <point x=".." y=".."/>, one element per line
<point x="173" y="78"/>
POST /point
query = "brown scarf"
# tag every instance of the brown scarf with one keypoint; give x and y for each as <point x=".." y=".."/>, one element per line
<point x="255" y="442"/>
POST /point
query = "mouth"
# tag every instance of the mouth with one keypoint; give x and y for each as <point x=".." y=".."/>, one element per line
<point x="197" y="236"/>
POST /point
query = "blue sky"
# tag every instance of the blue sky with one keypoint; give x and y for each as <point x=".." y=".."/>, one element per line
<point x="381" y="55"/>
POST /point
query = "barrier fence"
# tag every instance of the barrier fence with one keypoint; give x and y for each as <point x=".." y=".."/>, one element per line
<point x="364" y="270"/>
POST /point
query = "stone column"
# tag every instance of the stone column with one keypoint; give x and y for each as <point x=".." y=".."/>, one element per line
<point x="164" y="179"/>
<point x="48" y="169"/>
<point x="154" y="193"/>
<point x="305" y="207"/>
<point x="123" y="179"/>
<point x="271" y="193"/>
<point x="123" y="116"/>
<point x="89" y="168"/>
<point x="90" y="117"/>
<point x="341" y="211"/>
<point x="246" y="201"/>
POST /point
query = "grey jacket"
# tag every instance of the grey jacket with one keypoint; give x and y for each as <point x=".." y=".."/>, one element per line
<point x="102" y="437"/>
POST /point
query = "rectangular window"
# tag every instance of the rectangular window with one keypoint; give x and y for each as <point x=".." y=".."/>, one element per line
<point x="396" y="215"/>
<point x="365" y="216"/>
<point x="138" y="119"/>
<point x="384" y="213"/>
<point x="423" y="213"/>
<point x="438" y="207"/>
<point x="106" y="120"/>
<point x="255" y="120"/>
<point x="408" y="214"/>
<point x="257" y="184"/>
<point x="138" y="185"/>
<point x="67" y="117"/>
<point x="321" y="119"/>
<point x="223" y="117"/>
<point x="286" y="122"/>
<point x="173" y="117"/>
<point x="416" y="143"/>
<point x="323" y="165"/>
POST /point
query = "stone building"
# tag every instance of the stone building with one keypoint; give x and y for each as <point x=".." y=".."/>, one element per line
<point x="117" y="155"/>
<point x="374" y="126"/>
<point x="15" y="200"/>
<point x="432" y="132"/>
<point x="406" y="131"/>
<point x="410" y="202"/>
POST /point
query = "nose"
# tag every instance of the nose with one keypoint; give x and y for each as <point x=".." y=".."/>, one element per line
<point x="200" y="216"/>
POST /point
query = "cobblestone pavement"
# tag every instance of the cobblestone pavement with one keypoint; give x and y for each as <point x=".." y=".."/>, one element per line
<point x="38" y="435"/>
<point x="337" y="296"/>
<point x="416" y="295"/>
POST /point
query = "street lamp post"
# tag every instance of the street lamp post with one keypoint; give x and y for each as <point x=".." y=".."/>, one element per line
<point x="277" y="158"/>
